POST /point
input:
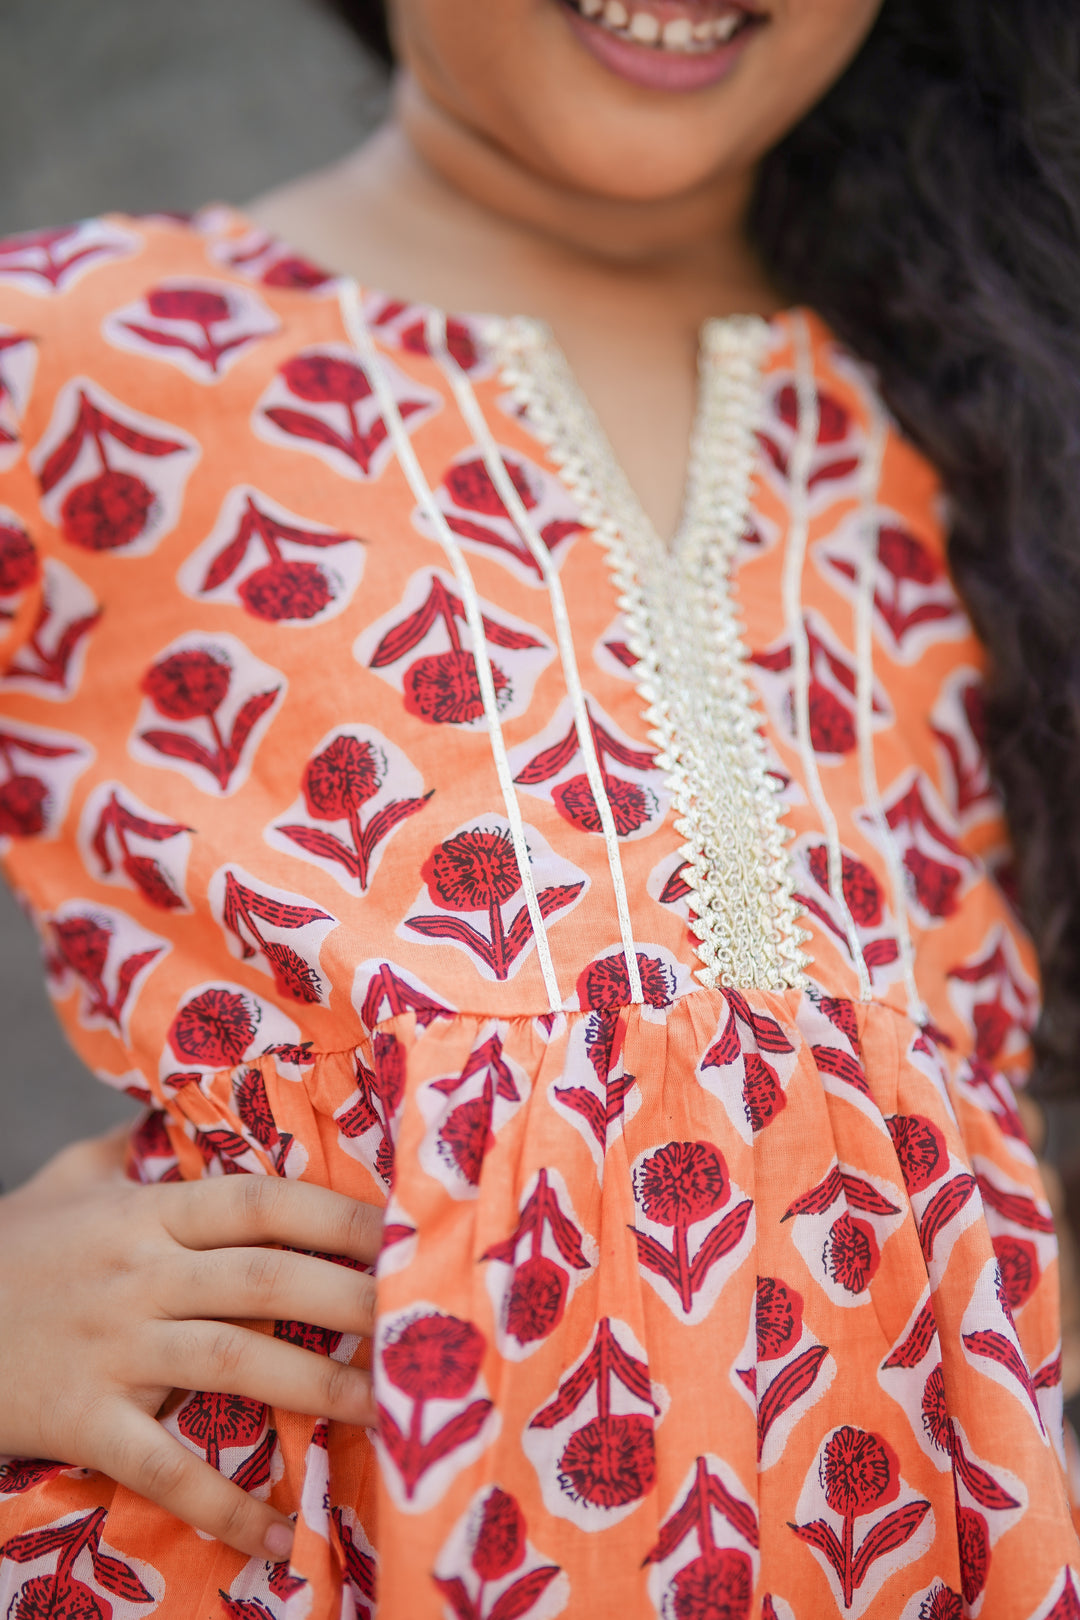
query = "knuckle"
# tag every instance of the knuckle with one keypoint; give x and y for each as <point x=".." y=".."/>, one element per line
<point x="227" y="1351"/>
<point x="159" y="1473"/>
<point x="360" y="1225"/>
<point x="264" y="1270"/>
<point x="368" y="1300"/>
<point x="236" y="1515"/>
<point x="255" y="1198"/>
<point x="339" y="1386"/>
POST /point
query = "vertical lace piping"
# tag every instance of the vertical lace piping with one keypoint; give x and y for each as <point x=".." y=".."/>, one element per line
<point x="682" y="626"/>
<point x="364" y="344"/>
<point x="478" y="426"/>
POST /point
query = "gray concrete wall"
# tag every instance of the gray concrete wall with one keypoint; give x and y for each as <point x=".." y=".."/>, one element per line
<point x="138" y="105"/>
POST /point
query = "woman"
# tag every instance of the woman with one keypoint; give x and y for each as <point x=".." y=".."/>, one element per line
<point x="406" y="820"/>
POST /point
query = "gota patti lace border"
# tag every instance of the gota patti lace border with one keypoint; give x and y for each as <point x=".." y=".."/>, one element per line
<point x="682" y="627"/>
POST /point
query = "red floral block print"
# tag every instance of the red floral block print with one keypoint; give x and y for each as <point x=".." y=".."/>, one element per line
<point x="940" y="1602"/>
<point x="935" y="864"/>
<point x="403" y="325"/>
<point x="364" y="1120"/>
<point x="20" y="1474"/>
<point x="20" y="565"/>
<point x="475" y="513"/>
<point x="535" y="1270"/>
<point x="996" y="998"/>
<point x="859" y="1475"/>
<point x="1011" y="1205"/>
<point x="442" y="686"/>
<point x="258" y="557"/>
<point x="363" y="787"/>
<point x="18" y="364"/>
<point x="488" y="1570"/>
<point x="111" y="478"/>
<point x="463" y="1113"/>
<point x="555" y="771"/>
<point x="106" y="954"/>
<point x="322" y="402"/>
<point x="383" y="990"/>
<point x="864" y="902"/>
<point x="976" y="1484"/>
<point x="832" y="687"/>
<point x="700" y="1555"/>
<point x="679" y="1189"/>
<point x="75" y="1577"/>
<point x="1066" y="1599"/>
<point x="1001" y="1349"/>
<point x="841" y="1225"/>
<point x="151" y="1155"/>
<point x="201" y="326"/>
<point x="260" y="1592"/>
<point x="837" y="453"/>
<point x="219" y="700"/>
<point x="605" y="1463"/>
<point x="915" y="604"/>
<point x="426" y="1356"/>
<point x="360" y="1569"/>
<point x="50" y="662"/>
<point x="958" y="722"/>
<point x="38" y="770"/>
<point x="220" y="1026"/>
<point x="260" y="257"/>
<point x="253" y="918"/>
<point x="778" y="1318"/>
<point x="51" y="261"/>
<point x="476" y="871"/>
<point x="751" y="1059"/>
<point x="225" y="1423"/>
<point x="118" y="833"/>
<point x="596" y="1100"/>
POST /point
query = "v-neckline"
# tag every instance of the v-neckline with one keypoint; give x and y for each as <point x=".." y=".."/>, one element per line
<point x="596" y="463"/>
<point x="606" y="465"/>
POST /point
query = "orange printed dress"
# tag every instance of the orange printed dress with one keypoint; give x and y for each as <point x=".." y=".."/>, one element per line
<point x="398" y="813"/>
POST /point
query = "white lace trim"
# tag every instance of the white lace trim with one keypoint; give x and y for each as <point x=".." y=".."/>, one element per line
<point x="683" y="629"/>
<point x="477" y="424"/>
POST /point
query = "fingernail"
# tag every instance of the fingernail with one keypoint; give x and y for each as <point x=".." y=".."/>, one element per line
<point x="278" y="1541"/>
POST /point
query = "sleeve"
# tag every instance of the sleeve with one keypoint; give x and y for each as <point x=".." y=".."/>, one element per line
<point x="53" y="288"/>
<point x="21" y="561"/>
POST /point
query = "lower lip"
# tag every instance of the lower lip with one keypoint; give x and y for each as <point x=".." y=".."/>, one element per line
<point x="652" y="68"/>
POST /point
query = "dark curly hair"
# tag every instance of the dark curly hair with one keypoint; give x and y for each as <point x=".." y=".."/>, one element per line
<point x="929" y="208"/>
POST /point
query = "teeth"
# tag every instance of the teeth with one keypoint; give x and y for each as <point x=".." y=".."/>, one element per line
<point x="644" y="28"/>
<point x="678" y="34"/>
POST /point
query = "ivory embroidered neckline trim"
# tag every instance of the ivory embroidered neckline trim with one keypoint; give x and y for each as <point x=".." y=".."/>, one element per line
<point x="700" y="709"/>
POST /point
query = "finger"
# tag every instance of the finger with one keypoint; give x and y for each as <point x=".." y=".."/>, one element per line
<point x="136" y="1451"/>
<point x="226" y="1211"/>
<point x="270" y="1284"/>
<point x="224" y="1359"/>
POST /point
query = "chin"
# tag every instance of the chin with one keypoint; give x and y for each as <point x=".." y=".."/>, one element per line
<point x="569" y="117"/>
<point x="619" y="160"/>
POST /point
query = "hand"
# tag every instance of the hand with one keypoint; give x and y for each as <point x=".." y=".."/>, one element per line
<point x="113" y="1294"/>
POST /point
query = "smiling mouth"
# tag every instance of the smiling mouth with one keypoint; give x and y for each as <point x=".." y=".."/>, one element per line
<point x="683" y="29"/>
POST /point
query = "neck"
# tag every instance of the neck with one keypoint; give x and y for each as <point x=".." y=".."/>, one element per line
<point x="427" y="176"/>
<point x="702" y="222"/>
